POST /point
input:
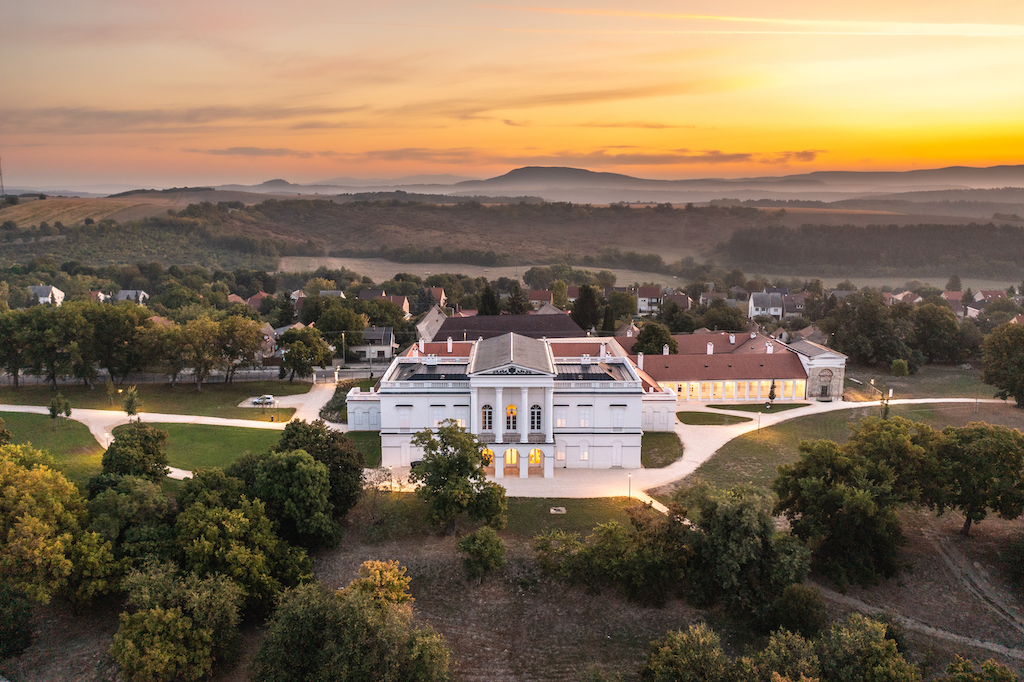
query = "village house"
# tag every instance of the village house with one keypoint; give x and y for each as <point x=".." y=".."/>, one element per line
<point x="47" y="295"/>
<point x="378" y="344"/>
<point x="537" y="404"/>
<point x="648" y="300"/>
<point x="765" y="303"/>
<point x="538" y="297"/>
<point x="437" y="295"/>
<point x="134" y="295"/>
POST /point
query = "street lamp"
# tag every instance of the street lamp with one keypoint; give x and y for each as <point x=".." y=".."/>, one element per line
<point x="630" y="486"/>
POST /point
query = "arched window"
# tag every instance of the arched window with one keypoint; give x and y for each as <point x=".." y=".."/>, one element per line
<point x="487" y="421"/>
<point x="511" y="423"/>
<point x="488" y="456"/>
<point x="536" y="456"/>
<point x="825" y="377"/>
<point x="511" y="457"/>
<point x="535" y="418"/>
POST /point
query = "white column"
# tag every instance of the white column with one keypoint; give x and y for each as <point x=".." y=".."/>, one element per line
<point x="549" y="413"/>
<point x="499" y="416"/>
<point x="474" y="407"/>
<point x="499" y="460"/>
<point x="524" y="415"/>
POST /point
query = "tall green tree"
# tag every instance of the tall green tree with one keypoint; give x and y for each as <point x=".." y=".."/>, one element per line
<point x="13" y="343"/>
<point x="296" y="490"/>
<point x="489" y="302"/>
<point x="983" y="470"/>
<point x="241" y="341"/>
<point x="303" y="350"/>
<point x="180" y="626"/>
<point x="936" y="333"/>
<point x="201" y="347"/>
<point x="117" y="337"/>
<point x="341" y="457"/>
<point x="137" y="450"/>
<point x="517" y="302"/>
<point x="348" y="635"/>
<point x="586" y="310"/>
<point x="691" y="655"/>
<point x="652" y="340"/>
<point x="1004" y="362"/>
<point x="452" y="481"/>
<point x="844" y="507"/>
<point x="954" y="284"/>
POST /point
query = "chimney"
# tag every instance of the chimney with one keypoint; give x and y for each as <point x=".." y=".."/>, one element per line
<point x="664" y="349"/>
<point x="449" y="344"/>
<point x="604" y="349"/>
<point x="431" y="360"/>
<point x="732" y="339"/>
<point x="753" y="335"/>
<point x="711" y="347"/>
<point x="422" y="346"/>
<point x="640" y="360"/>
<point x="415" y="352"/>
<point x="770" y="348"/>
<point x="585" y="360"/>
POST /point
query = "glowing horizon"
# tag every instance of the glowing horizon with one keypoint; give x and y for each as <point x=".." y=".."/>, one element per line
<point x="197" y="93"/>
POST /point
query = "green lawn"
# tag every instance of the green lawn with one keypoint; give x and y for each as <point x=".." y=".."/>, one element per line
<point x="72" y="446"/>
<point x="759" y="407"/>
<point x="530" y="516"/>
<point x="755" y="456"/>
<point x="368" y="443"/>
<point x="709" y="419"/>
<point x="659" y="449"/>
<point x="215" y="400"/>
<point x="196" y="446"/>
<point x="336" y="409"/>
<point x="931" y="381"/>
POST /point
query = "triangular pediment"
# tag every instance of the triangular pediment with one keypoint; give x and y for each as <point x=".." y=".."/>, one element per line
<point x="512" y="370"/>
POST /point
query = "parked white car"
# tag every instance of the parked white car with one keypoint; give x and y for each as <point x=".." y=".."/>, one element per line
<point x="263" y="400"/>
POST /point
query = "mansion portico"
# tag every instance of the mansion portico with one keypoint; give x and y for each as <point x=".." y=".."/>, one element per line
<point x="537" y="404"/>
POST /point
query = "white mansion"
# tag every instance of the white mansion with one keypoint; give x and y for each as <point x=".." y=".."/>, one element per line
<point x="538" y="404"/>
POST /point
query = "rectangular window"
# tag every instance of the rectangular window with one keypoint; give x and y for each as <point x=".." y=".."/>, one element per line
<point x="766" y="388"/>
<point x="741" y="390"/>
<point x="718" y="390"/>
<point x="801" y="388"/>
<point x="705" y="390"/>
<point x="374" y="418"/>
<point x="403" y="417"/>
<point x="585" y="415"/>
<point x="694" y="390"/>
<point x="560" y="454"/>
<point x="359" y="417"/>
<point x="618" y="417"/>
<point x="730" y="390"/>
<point x="560" y="418"/>
<point x="584" y="452"/>
<point x="462" y="416"/>
<point x="787" y="389"/>
<point x="437" y="415"/>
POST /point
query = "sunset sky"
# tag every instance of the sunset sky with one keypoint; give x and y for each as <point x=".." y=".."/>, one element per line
<point x="203" y="92"/>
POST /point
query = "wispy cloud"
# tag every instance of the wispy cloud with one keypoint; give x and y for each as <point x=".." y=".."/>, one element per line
<point x="623" y="155"/>
<point x="797" y="26"/>
<point x="87" y="120"/>
<point x="260" y="151"/>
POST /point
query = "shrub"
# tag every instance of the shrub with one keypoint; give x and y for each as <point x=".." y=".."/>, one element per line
<point x="900" y="368"/>
<point x="15" y="622"/>
<point x="485" y="552"/>
<point x="800" y="609"/>
<point x="692" y="655"/>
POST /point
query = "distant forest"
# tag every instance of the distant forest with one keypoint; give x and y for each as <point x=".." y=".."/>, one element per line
<point x="914" y="250"/>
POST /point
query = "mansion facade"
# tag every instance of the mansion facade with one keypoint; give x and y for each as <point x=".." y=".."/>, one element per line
<point x="536" y="404"/>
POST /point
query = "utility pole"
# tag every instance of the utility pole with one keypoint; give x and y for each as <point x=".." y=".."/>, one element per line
<point x="3" y="192"/>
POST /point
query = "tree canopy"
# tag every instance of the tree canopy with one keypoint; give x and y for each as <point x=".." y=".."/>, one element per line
<point x="1004" y="362"/>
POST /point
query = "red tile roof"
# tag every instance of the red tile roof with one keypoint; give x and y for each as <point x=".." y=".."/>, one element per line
<point x="697" y="344"/>
<point x="675" y="368"/>
<point x="460" y="349"/>
<point x="648" y="292"/>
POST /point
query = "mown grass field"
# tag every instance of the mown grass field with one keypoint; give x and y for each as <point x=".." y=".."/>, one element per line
<point x="709" y="419"/>
<point x="197" y="446"/>
<point x="931" y="381"/>
<point x="215" y="400"/>
<point x="368" y="443"/>
<point x="754" y="457"/>
<point x="759" y="407"/>
<point x="658" y="450"/>
<point x="74" y="449"/>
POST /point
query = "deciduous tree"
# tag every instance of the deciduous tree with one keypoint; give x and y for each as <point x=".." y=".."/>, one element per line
<point x="652" y="340"/>
<point x="452" y="481"/>
<point x="137" y="450"/>
<point x="1004" y="362"/>
<point x="344" y="461"/>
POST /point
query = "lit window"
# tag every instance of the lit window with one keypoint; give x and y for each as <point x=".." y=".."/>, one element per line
<point x="560" y="419"/>
<point x="488" y="456"/>
<point x="585" y="417"/>
<point x="536" y="455"/>
<point x="438" y="416"/>
<point x="511" y="457"/>
<point x="487" y="419"/>
<point x="560" y="453"/>
<point x="511" y="423"/>
<point x="584" y="452"/>
<point x="535" y="418"/>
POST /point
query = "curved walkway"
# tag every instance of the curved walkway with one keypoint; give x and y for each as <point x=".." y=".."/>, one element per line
<point x="700" y="443"/>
